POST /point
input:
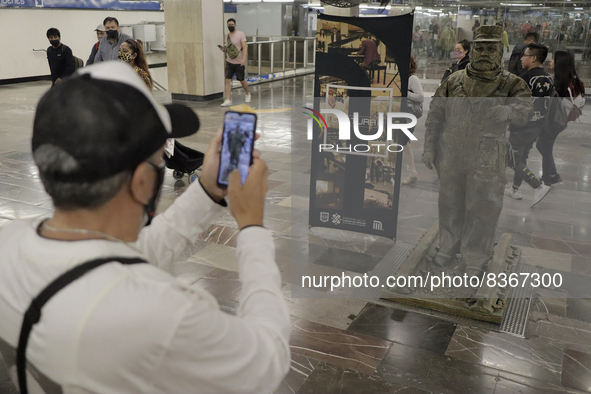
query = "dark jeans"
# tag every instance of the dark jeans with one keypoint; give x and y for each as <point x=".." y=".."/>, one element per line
<point x="545" y="145"/>
<point x="522" y="140"/>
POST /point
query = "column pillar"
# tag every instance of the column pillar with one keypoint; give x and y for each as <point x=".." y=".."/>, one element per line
<point x="194" y="28"/>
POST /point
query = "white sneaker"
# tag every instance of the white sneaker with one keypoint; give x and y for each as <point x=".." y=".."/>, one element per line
<point x="540" y="193"/>
<point x="516" y="194"/>
<point x="227" y="103"/>
<point x="248" y="98"/>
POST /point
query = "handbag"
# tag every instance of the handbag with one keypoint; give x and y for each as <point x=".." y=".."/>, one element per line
<point x="415" y="108"/>
<point x="557" y="117"/>
<point x="574" y="106"/>
<point x="231" y="49"/>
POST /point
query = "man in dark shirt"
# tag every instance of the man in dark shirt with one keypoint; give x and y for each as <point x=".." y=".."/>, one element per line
<point x="515" y="59"/>
<point x="59" y="56"/>
<point x="522" y="138"/>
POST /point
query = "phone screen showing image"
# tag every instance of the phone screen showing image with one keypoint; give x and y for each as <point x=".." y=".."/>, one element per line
<point x="237" y="145"/>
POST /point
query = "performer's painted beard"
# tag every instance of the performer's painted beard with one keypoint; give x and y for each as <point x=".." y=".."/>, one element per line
<point x="486" y="56"/>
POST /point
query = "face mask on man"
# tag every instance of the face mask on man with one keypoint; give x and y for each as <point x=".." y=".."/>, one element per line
<point x="54" y="43"/>
<point x="124" y="57"/>
<point x="231" y="28"/>
<point x="112" y="34"/>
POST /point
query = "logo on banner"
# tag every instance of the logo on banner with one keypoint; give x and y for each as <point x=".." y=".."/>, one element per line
<point x="336" y="218"/>
<point x="317" y="117"/>
<point x="377" y="225"/>
<point x="38" y="3"/>
<point x="345" y="129"/>
<point x="324" y="217"/>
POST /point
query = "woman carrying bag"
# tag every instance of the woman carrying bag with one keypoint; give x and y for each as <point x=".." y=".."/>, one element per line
<point x="572" y="90"/>
<point x="415" y="106"/>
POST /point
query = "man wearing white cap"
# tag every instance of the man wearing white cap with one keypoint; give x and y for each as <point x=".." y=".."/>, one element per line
<point x="86" y="304"/>
<point x="100" y="33"/>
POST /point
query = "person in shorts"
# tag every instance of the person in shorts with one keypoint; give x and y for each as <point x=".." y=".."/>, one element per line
<point x="236" y="53"/>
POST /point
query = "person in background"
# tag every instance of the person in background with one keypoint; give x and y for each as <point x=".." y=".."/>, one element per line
<point x="236" y="51"/>
<point x="132" y="52"/>
<point x="446" y="40"/>
<point x="515" y="66"/>
<point x="415" y="94"/>
<point x="433" y="31"/>
<point x="461" y="52"/>
<point x="100" y="33"/>
<point x="417" y="41"/>
<point x="523" y="138"/>
<point x="109" y="45"/>
<point x="505" y="38"/>
<point x="369" y="50"/>
<point x="565" y="79"/>
<point x="59" y="57"/>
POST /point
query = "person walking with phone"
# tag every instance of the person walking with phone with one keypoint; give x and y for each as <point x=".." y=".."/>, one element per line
<point x="236" y="51"/>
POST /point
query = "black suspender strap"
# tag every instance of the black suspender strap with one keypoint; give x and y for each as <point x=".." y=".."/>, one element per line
<point x="33" y="314"/>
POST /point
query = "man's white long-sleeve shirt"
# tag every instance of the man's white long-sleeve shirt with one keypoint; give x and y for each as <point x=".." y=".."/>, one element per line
<point x="135" y="328"/>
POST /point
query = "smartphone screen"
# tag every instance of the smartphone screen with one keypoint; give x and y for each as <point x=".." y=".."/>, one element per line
<point x="237" y="145"/>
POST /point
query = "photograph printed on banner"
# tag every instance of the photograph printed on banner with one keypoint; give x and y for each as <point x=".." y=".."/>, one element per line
<point x="362" y="47"/>
<point x="330" y="181"/>
<point x="379" y="181"/>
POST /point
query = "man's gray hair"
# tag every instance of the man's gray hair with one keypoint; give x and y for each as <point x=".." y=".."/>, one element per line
<point x="69" y="196"/>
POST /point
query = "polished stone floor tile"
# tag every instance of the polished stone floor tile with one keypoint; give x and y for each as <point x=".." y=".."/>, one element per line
<point x="576" y="370"/>
<point x="350" y="350"/>
<point x="514" y="384"/>
<point x="221" y="284"/>
<point x="579" y="309"/>
<point x="220" y="235"/>
<point x="300" y="369"/>
<point x="563" y="245"/>
<point x="407" y="328"/>
<point x="329" y="311"/>
<point x="334" y="379"/>
<point x="435" y="373"/>
<point x="348" y="261"/>
<point x="581" y="265"/>
<point x="189" y="272"/>
<point x="19" y="210"/>
<point x="546" y="259"/>
<point x="535" y="359"/>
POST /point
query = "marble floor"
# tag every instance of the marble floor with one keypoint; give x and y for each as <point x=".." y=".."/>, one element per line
<point x="346" y="345"/>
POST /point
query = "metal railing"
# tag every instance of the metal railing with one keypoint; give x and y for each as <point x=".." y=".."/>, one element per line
<point x="278" y="57"/>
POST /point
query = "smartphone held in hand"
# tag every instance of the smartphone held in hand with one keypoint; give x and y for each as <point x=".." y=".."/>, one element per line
<point x="237" y="145"/>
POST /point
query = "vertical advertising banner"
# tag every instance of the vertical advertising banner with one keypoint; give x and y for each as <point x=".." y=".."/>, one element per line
<point x="358" y="121"/>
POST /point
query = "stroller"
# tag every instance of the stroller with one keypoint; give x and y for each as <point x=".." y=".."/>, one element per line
<point x="184" y="161"/>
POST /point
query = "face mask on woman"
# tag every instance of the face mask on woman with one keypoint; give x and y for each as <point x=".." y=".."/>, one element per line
<point x="124" y="57"/>
<point x="458" y="54"/>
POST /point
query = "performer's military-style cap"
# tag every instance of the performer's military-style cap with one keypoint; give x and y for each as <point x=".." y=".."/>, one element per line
<point x="488" y="34"/>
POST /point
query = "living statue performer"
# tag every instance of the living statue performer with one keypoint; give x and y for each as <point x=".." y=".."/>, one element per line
<point x="465" y="140"/>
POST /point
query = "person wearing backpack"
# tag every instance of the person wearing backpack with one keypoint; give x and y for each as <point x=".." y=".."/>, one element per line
<point x="100" y="33"/>
<point x="522" y="138"/>
<point x="236" y="51"/>
<point x="571" y="88"/>
<point x="60" y="57"/>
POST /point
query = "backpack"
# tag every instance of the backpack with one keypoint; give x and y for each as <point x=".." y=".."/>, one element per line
<point x="78" y="63"/>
